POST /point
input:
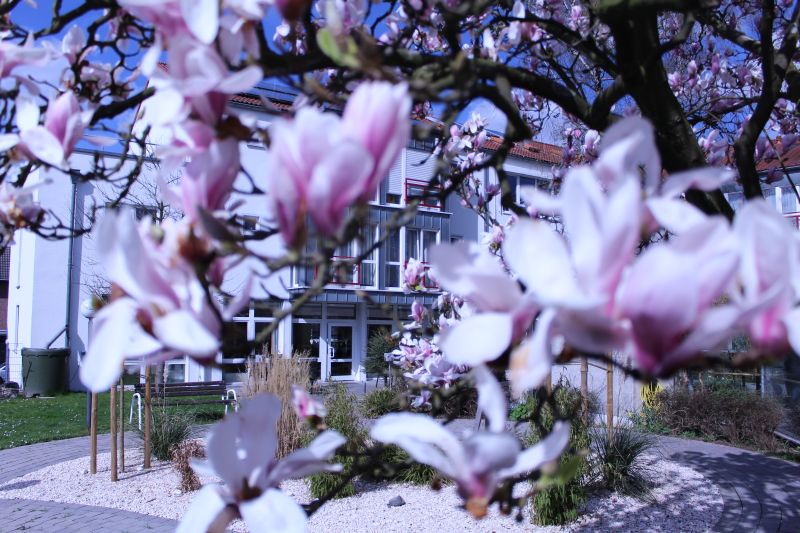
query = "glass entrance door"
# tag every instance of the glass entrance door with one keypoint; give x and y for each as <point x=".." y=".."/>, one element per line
<point x="340" y="351"/>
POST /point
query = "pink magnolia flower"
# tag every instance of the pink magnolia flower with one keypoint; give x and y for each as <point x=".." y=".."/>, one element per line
<point x="18" y="209"/>
<point x="468" y="270"/>
<point x="178" y="17"/>
<point x="414" y="275"/>
<point x="312" y="164"/>
<point x="770" y="257"/>
<point x="481" y="461"/>
<point x="241" y="451"/>
<point x="305" y="406"/>
<point x="159" y="308"/>
<point x="377" y="116"/>
<point x="197" y="81"/>
<point x="13" y="56"/>
<point x="319" y="164"/>
<point x="669" y="295"/>
<point x="207" y="179"/>
<point x="54" y="140"/>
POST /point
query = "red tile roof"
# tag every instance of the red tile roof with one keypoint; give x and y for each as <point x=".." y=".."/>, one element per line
<point x="536" y="150"/>
<point x="791" y="159"/>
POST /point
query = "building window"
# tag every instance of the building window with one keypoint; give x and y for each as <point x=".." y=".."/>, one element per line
<point x="145" y="211"/>
<point x="404" y="244"/>
<point x="305" y="344"/>
<point x="393" y="259"/>
<point x="516" y="183"/>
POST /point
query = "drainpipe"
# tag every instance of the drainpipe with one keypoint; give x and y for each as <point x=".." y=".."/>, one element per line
<point x="70" y="267"/>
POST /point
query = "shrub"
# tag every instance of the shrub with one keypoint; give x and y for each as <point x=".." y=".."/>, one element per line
<point x="276" y="375"/>
<point x="182" y="454"/>
<point x="794" y="418"/>
<point x="397" y="465"/>
<point x="341" y="406"/>
<point x="379" y="402"/>
<point x="618" y="460"/>
<point x="559" y="504"/>
<point x="379" y="343"/>
<point x="169" y="428"/>
<point x="738" y="416"/>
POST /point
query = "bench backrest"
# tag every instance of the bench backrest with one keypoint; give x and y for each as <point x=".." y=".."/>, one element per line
<point x="192" y="388"/>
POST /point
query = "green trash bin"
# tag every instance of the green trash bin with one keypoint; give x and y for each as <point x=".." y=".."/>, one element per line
<point x="44" y="371"/>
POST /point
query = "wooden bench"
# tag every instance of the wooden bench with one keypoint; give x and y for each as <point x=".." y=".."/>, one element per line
<point x="189" y="393"/>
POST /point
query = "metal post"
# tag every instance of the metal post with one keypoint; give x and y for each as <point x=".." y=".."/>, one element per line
<point x="93" y="436"/>
<point x="610" y="395"/>
<point x="585" y="390"/>
<point x="122" y="426"/>
<point x="147" y="416"/>
<point x="113" y="424"/>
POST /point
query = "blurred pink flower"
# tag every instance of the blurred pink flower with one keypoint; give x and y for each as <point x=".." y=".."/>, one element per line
<point x="241" y="452"/>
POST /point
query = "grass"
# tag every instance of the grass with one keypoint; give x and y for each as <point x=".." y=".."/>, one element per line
<point x="28" y="421"/>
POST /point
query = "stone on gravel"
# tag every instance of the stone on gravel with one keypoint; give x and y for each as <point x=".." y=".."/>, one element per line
<point x="397" y="501"/>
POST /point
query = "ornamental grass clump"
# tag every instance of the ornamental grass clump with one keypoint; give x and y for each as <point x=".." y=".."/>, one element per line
<point x="169" y="429"/>
<point x="276" y="375"/>
<point x="342" y="408"/>
<point x="619" y="461"/>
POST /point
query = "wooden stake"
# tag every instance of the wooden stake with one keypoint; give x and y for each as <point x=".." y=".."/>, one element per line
<point x="549" y="382"/>
<point x="147" y="416"/>
<point x="585" y="389"/>
<point x="113" y="402"/>
<point x="122" y="426"/>
<point x="93" y="436"/>
<point x="610" y="395"/>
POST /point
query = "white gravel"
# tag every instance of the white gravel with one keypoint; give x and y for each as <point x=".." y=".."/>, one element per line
<point x="685" y="501"/>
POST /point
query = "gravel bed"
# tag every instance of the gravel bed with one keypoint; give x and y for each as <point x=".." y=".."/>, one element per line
<point x="684" y="501"/>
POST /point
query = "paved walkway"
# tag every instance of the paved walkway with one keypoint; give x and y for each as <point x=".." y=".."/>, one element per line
<point x="760" y="494"/>
<point x="50" y="517"/>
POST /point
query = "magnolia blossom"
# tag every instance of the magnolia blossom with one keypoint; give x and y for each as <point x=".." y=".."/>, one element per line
<point x="481" y="461"/>
<point x="197" y="82"/>
<point x="241" y="451"/>
<point x="17" y="210"/>
<point x="207" y="179"/>
<point x="54" y="140"/>
<point x="471" y="272"/>
<point x="173" y="18"/>
<point x="669" y="296"/>
<point x="414" y="274"/>
<point x="305" y="406"/>
<point x="12" y="56"/>
<point x="768" y="276"/>
<point x="159" y="307"/>
<point x="320" y="164"/>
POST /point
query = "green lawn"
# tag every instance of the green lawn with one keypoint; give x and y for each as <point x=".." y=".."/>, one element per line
<point x="27" y="421"/>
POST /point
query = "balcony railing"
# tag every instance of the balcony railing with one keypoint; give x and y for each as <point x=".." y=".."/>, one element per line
<point x="424" y="189"/>
<point x="793" y="218"/>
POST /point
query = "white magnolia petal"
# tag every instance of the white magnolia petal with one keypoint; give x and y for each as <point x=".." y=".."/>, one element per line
<point x="545" y="451"/>
<point x="28" y="112"/>
<point x="8" y="141"/>
<point x="704" y="179"/>
<point x="202" y="18"/>
<point x="112" y="326"/>
<point x="309" y="460"/>
<point x="208" y="512"/>
<point x="424" y="439"/>
<point x="478" y="338"/>
<point x="676" y="216"/>
<point x="792" y="322"/>
<point x="273" y="512"/>
<point x="531" y="361"/>
<point x="183" y="332"/>
<point x="491" y="400"/>
<point x="539" y="257"/>
<point x="241" y="81"/>
<point x="43" y="145"/>
<point x="540" y="202"/>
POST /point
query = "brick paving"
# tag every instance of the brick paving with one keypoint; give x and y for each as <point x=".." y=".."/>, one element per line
<point x="48" y="517"/>
<point x="760" y="494"/>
